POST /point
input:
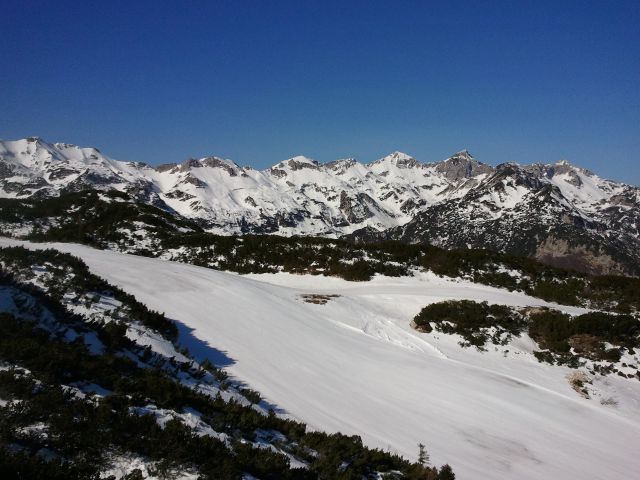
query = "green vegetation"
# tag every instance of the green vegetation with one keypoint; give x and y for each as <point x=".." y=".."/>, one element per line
<point x="69" y="274"/>
<point x="564" y="339"/>
<point x="586" y="334"/>
<point x="99" y="219"/>
<point x="79" y="431"/>
<point x="472" y="320"/>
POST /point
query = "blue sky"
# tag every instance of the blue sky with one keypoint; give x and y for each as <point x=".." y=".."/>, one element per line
<point x="262" y="81"/>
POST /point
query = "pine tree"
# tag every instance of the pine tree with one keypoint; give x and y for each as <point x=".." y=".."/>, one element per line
<point x="423" y="455"/>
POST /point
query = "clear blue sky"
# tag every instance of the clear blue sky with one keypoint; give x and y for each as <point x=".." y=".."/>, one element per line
<point x="262" y="81"/>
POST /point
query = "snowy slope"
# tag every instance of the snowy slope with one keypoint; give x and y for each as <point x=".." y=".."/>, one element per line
<point x="354" y="365"/>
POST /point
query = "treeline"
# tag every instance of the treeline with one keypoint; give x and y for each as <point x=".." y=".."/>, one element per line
<point x="113" y="220"/>
<point x="271" y="253"/>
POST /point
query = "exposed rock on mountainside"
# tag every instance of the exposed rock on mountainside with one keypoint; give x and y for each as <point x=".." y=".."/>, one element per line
<point x="559" y="213"/>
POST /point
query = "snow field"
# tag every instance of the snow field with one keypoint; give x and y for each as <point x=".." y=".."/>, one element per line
<point x="355" y="366"/>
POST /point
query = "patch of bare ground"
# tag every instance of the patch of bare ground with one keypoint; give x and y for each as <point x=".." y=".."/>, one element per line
<point x="579" y="381"/>
<point x="317" y="298"/>
<point x="609" y="401"/>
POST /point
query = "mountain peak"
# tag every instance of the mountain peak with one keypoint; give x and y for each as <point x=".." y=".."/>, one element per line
<point x="461" y="155"/>
<point x="28" y="142"/>
<point x="302" y="159"/>
<point x="400" y="159"/>
<point x="299" y="196"/>
<point x="400" y="155"/>
<point x="462" y="165"/>
<point x="298" y="163"/>
<point x="212" y="162"/>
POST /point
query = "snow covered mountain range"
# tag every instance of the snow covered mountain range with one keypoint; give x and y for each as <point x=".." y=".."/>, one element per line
<point x="558" y="213"/>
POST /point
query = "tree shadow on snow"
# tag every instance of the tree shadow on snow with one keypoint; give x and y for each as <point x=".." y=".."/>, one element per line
<point x="201" y="350"/>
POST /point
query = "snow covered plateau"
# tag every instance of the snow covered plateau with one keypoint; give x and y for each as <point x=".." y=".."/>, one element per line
<point x="353" y="364"/>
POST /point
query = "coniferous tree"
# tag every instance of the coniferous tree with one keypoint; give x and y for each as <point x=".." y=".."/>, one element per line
<point x="423" y="455"/>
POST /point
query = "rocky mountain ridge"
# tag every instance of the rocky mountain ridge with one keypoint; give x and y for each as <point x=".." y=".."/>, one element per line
<point x="558" y="213"/>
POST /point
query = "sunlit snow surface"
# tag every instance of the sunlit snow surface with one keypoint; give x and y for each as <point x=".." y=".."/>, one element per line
<point x="354" y="365"/>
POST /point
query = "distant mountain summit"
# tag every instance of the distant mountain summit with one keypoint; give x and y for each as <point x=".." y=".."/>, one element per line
<point x="558" y="213"/>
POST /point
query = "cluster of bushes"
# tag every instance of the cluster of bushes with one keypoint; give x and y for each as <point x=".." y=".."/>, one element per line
<point x="565" y="339"/>
<point x="271" y="253"/>
<point x="473" y="321"/>
<point x="586" y="334"/>
<point x="80" y="432"/>
<point x="69" y="274"/>
<point x="343" y="446"/>
<point x="86" y="217"/>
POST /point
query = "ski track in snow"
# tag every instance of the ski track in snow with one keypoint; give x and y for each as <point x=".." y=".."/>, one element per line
<point x="354" y="365"/>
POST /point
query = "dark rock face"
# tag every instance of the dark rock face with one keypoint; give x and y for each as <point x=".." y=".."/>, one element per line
<point x="404" y="162"/>
<point x="13" y="187"/>
<point x="193" y="180"/>
<point x="560" y="168"/>
<point x="582" y="257"/>
<point x="61" y="173"/>
<point x="36" y="183"/>
<point x="278" y="172"/>
<point x="410" y="206"/>
<point x="6" y="170"/>
<point x="144" y="192"/>
<point x="88" y="180"/>
<point x="166" y="167"/>
<point x="355" y="210"/>
<point x="301" y="165"/>
<point x="543" y="226"/>
<point x="462" y="165"/>
<point x="272" y="224"/>
<point x="340" y="166"/>
<point x="179" y="195"/>
<point x="189" y="164"/>
<point x="216" y="162"/>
